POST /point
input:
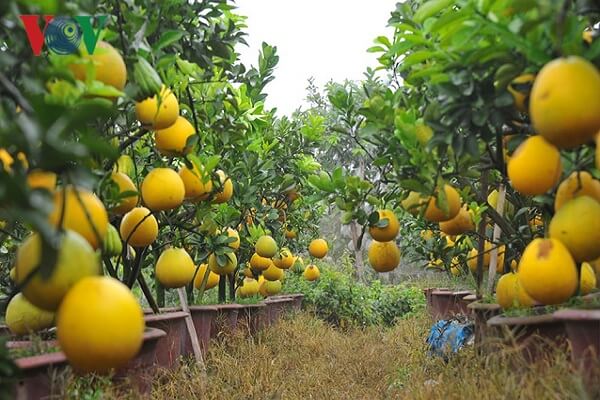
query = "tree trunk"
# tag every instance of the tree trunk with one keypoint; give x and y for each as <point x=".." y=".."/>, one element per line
<point x="358" y="255"/>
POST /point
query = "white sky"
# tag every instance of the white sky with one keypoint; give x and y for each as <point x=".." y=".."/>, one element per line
<point x="326" y="39"/>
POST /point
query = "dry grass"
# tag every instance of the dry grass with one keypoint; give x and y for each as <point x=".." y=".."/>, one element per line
<point x="303" y="358"/>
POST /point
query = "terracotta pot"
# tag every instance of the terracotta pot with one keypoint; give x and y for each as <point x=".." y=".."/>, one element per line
<point x="583" y="330"/>
<point x="225" y="321"/>
<point x="140" y="370"/>
<point x="531" y="333"/>
<point x="296" y="304"/>
<point x="203" y="317"/>
<point x="465" y="301"/>
<point x="171" y="347"/>
<point x="162" y="310"/>
<point x="428" y="299"/>
<point x="251" y="317"/>
<point x="445" y="304"/>
<point x="4" y="331"/>
<point x="481" y="313"/>
<point x="275" y="309"/>
<point x="37" y="375"/>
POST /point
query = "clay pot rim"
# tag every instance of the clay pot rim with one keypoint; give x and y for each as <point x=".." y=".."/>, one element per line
<point x="162" y="310"/>
<point x="165" y="316"/>
<point x="527" y="320"/>
<point x="40" y="360"/>
<point x="277" y="300"/>
<point x="153" y="333"/>
<point x="203" y="308"/>
<point x="470" y="297"/>
<point x="577" y="314"/>
<point x="228" y="306"/>
<point x="21" y="344"/>
<point x="479" y="305"/>
<point x="253" y="305"/>
<point x="449" y="293"/>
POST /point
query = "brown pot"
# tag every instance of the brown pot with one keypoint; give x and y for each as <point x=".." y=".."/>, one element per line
<point x="203" y="317"/>
<point x="296" y="303"/>
<point x="428" y="299"/>
<point x="583" y="330"/>
<point x="530" y="334"/>
<point x="481" y="313"/>
<point x="446" y="304"/>
<point x="171" y="347"/>
<point x="275" y="308"/>
<point x="37" y="375"/>
<point x="251" y="317"/>
<point x="225" y="322"/>
<point x="140" y="370"/>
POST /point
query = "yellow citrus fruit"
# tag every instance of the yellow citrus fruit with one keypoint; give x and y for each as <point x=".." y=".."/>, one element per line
<point x="318" y="248"/>
<point x="125" y="184"/>
<point x="232" y="233"/>
<point x="248" y="271"/>
<point x="213" y="279"/>
<point x="510" y="293"/>
<point x="23" y="318"/>
<point x="576" y="226"/>
<point x="424" y="134"/>
<point x="228" y="268"/>
<point x="535" y="167"/>
<point x="298" y="265"/>
<point x="311" y="273"/>
<point x="84" y="213"/>
<point x="158" y="116"/>
<point x="13" y="274"/>
<point x="273" y="273"/>
<point x="285" y="260"/>
<point x="266" y="246"/>
<point x="138" y="227"/>
<point x="174" y="268"/>
<point x="579" y="183"/>
<point x="565" y="102"/>
<point x="259" y="263"/>
<point x="249" y="288"/>
<point x="520" y="89"/>
<point x="435" y="214"/>
<point x="588" y="279"/>
<point x="75" y="260"/>
<point x="426" y="235"/>
<point x="455" y="271"/>
<point x="172" y="141"/>
<point x="597" y="152"/>
<point x="197" y="185"/>
<point x="108" y="66"/>
<point x="547" y="271"/>
<point x="270" y="288"/>
<point x="100" y="325"/>
<point x="390" y="231"/>
<point x="8" y="160"/>
<point x="38" y="179"/>
<point x="460" y="224"/>
<point x="290" y="234"/>
<point x="413" y="203"/>
<point x="384" y="256"/>
<point x="162" y="189"/>
<point x="226" y="191"/>
<point x="473" y="255"/>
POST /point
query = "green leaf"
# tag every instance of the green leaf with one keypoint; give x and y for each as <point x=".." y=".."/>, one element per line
<point x="168" y="38"/>
<point x="431" y="8"/>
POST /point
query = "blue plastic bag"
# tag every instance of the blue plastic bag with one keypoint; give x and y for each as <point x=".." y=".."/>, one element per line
<point x="449" y="336"/>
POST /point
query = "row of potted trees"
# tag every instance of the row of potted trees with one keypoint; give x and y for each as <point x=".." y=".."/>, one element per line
<point x="166" y="341"/>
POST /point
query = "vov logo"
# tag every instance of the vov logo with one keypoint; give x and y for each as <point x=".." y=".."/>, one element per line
<point x="63" y="35"/>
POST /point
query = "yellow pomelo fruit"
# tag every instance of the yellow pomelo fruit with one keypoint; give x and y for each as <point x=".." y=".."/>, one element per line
<point x="413" y="203"/>
<point x="197" y="185"/>
<point x="213" y="279"/>
<point x="226" y="191"/>
<point x="535" y="167"/>
<point x="23" y="318"/>
<point x="547" y="271"/>
<point x="266" y="246"/>
<point x="597" y="152"/>
<point x="138" y="227"/>
<point x="13" y="274"/>
<point x="576" y="226"/>
<point x="108" y="66"/>
<point x="248" y="271"/>
<point x="125" y="184"/>
<point x="426" y="235"/>
<point x="38" y="179"/>
<point x="460" y="224"/>
<point x="100" y="325"/>
<point x="270" y="288"/>
<point x="390" y="231"/>
<point x="162" y="189"/>
<point x="290" y="234"/>
<point x="435" y="214"/>
<point x="175" y="268"/>
<point x="285" y="260"/>
<point x="273" y="273"/>
<point x="228" y="268"/>
<point x="510" y="293"/>
<point x="76" y="259"/>
<point x="79" y="205"/>
<point x="298" y="265"/>
<point x="311" y="273"/>
<point x="249" y="288"/>
<point x="455" y="271"/>
<point x="384" y="256"/>
<point x="588" y="279"/>
<point x="579" y="183"/>
<point x="172" y="141"/>
<point x="472" y="257"/>
<point x="565" y="102"/>
<point x="259" y="263"/>
<point x="521" y="95"/>
<point x="318" y="248"/>
<point x="158" y="116"/>
<point x="424" y="134"/>
<point x="232" y="233"/>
